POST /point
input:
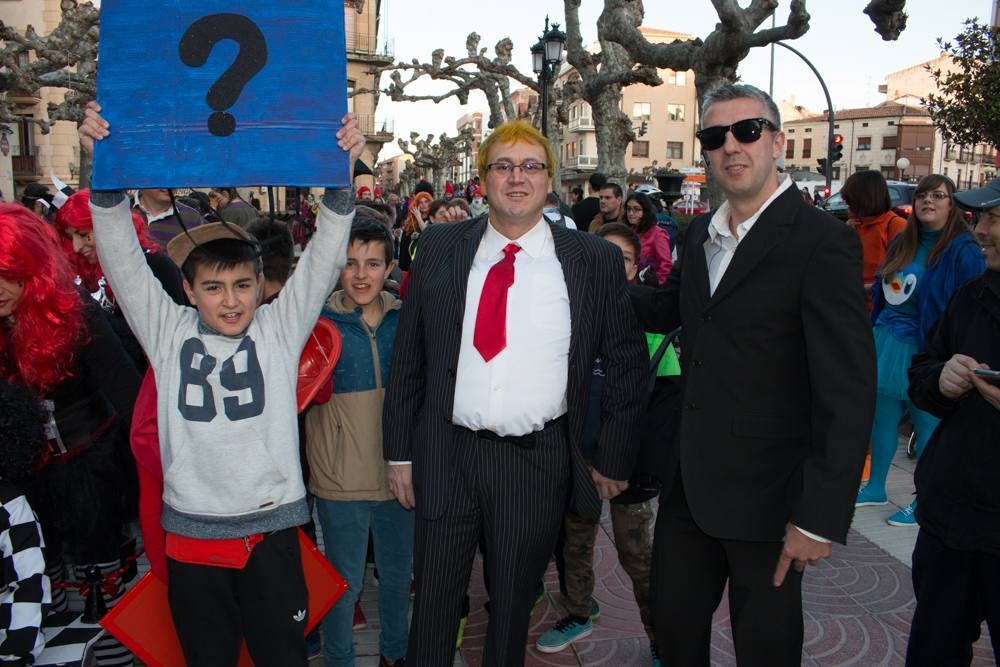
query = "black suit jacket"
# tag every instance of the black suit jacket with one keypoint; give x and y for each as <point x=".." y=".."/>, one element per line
<point x="779" y="374"/>
<point x="420" y="394"/>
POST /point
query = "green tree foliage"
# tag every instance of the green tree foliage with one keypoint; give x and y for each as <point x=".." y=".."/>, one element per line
<point x="967" y="105"/>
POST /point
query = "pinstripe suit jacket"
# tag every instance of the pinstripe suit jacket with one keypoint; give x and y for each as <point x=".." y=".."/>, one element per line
<point x="421" y="390"/>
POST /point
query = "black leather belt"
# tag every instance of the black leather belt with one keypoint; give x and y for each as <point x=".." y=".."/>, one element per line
<point x="527" y="440"/>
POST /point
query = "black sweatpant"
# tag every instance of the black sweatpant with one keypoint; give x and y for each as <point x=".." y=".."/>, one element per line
<point x="266" y="603"/>
<point x="956" y="591"/>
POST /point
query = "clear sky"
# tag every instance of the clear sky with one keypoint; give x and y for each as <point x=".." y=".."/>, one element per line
<point x="841" y="43"/>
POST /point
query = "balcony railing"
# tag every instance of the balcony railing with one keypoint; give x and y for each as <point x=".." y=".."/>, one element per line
<point x="577" y="161"/>
<point x="367" y="44"/>
<point x="369" y="125"/>
<point x="25" y="166"/>
<point x="581" y="124"/>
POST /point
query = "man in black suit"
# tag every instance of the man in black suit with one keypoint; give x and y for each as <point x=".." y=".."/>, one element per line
<point x="504" y="317"/>
<point x="779" y="382"/>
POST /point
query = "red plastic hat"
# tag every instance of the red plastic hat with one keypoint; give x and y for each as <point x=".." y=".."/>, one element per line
<point x="362" y="190"/>
<point x="448" y="189"/>
<point x="378" y="191"/>
<point x="478" y="192"/>
<point x="319" y="356"/>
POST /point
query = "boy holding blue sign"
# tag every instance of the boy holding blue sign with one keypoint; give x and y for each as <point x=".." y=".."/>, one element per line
<point x="226" y="374"/>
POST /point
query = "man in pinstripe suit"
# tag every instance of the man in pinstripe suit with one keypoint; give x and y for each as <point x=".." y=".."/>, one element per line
<point x="483" y="442"/>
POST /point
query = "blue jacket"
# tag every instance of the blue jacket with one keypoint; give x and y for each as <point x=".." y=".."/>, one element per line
<point x="960" y="262"/>
<point x="344" y="435"/>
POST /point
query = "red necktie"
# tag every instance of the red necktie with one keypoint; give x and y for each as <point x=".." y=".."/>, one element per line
<point x="490" y="336"/>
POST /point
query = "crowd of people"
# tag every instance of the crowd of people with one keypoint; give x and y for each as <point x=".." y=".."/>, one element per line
<point x="508" y="362"/>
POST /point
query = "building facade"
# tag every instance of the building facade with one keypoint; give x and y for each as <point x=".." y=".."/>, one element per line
<point x="968" y="166"/>
<point x="874" y="138"/>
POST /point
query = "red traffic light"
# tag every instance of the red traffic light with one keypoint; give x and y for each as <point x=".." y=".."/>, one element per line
<point x="838" y="138"/>
<point x="826" y="192"/>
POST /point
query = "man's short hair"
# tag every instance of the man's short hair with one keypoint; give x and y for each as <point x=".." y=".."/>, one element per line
<point x="578" y="191"/>
<point x="596" y="181"/>
<point x="552" y="199"/>
<point x="738" y="91"/>
<point x="511" y="132"/>
<point x="424" y="186"/>
<point x="277" y="251"/>
<point x="368" y="230"/>
<point x="221" y="255"/>
<point x="622" y="231"/>
<point x="614" y="187"/>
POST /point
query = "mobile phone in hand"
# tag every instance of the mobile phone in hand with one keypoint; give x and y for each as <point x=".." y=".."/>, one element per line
<point x="993" y="377"/>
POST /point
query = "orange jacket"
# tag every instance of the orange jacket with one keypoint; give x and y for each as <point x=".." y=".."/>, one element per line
<point x="876" y="232"/>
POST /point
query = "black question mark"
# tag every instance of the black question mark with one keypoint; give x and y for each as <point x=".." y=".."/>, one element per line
<point x="196" y="45"/>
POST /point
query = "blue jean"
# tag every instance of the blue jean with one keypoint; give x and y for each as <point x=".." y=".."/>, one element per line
<point x="345" y="526"/>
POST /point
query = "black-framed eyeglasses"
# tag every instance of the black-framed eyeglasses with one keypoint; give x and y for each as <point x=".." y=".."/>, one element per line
<point x="745" y="131"/>
<point x="505" y="168"/>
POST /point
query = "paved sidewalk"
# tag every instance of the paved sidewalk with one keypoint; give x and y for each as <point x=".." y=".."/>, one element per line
<point x="858" y="604"/>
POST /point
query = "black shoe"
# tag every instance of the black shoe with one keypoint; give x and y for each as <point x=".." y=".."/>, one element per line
<point x="400" y="662"/>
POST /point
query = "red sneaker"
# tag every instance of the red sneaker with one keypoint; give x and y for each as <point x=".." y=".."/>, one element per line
<point x="360" y="622"/>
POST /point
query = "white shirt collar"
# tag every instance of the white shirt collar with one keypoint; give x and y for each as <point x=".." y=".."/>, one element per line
<point x="151" y="217"/>
<point x="536" y="242"/>
<point x="719" y="225"/>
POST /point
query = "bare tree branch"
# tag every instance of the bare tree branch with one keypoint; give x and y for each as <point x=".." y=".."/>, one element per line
<point x="66" y="58"/>
<point x="888" y="17"/>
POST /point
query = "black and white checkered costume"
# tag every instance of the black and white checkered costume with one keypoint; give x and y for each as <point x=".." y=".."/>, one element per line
<point x="25" y="594"/>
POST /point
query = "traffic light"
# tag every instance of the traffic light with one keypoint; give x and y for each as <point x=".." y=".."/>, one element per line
<point x="836" y="151"/>
<point x="642" y="128"/>
<point x="821" y="165"/>
<point x="826" y="191"/>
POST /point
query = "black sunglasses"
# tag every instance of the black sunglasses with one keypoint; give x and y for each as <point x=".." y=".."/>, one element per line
<point x="745" y="131"/>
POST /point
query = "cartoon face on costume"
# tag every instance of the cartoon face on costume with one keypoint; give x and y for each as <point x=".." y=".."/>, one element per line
<point x="898" y="289"/>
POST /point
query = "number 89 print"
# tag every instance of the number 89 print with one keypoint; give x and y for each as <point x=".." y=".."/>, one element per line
<point x="192" y="376"/>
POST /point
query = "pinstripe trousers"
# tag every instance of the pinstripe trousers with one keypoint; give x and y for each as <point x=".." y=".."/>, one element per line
<point x="515" y="498"/>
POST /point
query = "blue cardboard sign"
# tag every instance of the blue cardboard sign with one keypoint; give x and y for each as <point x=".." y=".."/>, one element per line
<point x="217" y="92"/>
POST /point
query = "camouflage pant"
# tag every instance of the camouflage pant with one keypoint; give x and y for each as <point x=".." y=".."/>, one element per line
<point x="635" y="552"/>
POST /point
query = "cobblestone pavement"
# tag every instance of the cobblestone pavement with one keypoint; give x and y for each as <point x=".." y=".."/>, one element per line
<point x="858" y="604"/>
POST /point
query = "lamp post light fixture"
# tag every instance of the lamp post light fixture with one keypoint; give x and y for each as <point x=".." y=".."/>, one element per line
<point x="546" y="55"/>
<point x="902" y="164"/>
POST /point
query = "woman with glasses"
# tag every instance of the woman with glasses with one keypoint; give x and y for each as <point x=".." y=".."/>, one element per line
<point x="655" y="240"/>
<point x="933" y="255"/>
<point x="869" y="211"/>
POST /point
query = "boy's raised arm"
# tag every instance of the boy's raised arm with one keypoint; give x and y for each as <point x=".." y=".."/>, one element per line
<point x="149" y="311"/>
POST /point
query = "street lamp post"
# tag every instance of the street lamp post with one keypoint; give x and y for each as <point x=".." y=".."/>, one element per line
<point x="546" y="55"/>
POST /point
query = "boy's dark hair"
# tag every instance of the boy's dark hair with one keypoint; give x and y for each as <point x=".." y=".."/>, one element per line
<point x="622" y="231"/>
<point x="597" y="181"/>
<point x="370" y="231"/>
<point x="382" y="208"/>
<point x="578" y="191"/>
<point x="221" y="254"/>
<point x="552" y="199"/>
<point x="424" y="186"/>
<point x="277" y="250"/>
<point x="21" y="433"/>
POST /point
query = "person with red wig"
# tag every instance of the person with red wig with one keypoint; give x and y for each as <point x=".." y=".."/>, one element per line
<point x="75" y="228"/>
<point x="417" y="219"/>
<point x="59" y="344"/>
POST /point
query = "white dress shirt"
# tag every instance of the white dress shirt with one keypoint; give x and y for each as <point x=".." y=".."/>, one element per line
<point x="524" y="386"/>
<point x="721" y="246"/>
